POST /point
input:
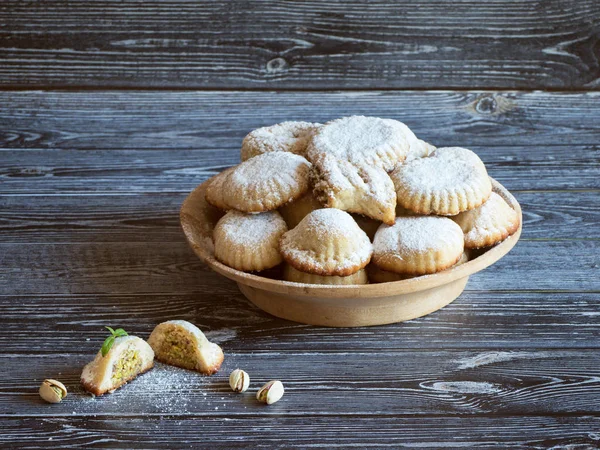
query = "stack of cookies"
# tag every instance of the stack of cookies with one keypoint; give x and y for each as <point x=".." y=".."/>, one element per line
<point x="356" y="200"/>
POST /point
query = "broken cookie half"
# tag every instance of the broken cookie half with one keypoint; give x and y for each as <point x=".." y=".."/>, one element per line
<point x="358" y="188"/>
<point x="182" y="344"/>
<point x="127" y="357"/>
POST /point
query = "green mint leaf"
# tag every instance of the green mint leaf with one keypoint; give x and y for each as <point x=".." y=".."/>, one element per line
<point x="108" y="343"/>
<point x="111" y="330"/>
<point x="119" y="332"/>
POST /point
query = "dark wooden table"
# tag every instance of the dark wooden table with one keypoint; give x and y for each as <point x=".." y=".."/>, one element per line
<point x="111" y="111"/>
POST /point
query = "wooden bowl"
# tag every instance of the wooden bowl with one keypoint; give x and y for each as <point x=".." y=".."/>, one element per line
<point x="340" y="306"/>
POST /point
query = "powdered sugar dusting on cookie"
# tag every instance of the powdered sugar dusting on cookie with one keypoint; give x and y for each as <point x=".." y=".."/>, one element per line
<point x="251" y="229"/>
<point x="283" y="137"/>
<point x="417" y="234"/>
<point x="327" y="242"/>
<point x="360" y="139"/>
<point x="490" y="223"/>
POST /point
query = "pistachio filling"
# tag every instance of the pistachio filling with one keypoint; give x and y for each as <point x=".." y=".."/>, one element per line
<point x="179" y="349"/>
<point x="127" y="366"/>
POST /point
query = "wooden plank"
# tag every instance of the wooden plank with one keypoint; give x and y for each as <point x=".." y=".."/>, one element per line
<point x="219" y="120"/>
<point x="270" y="44"/>
<point x="68" y="171"/>
<point x="154" y="218"/>
<point x="406" y="383"/>
<point x="132" y="268"/>
<point x="489" y="321"/>
<point x="300" y="432"/>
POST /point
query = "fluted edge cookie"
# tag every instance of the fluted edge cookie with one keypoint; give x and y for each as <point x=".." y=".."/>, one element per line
<point x="449" y="181"/>
<point x="249" y="242"/>
<point x="362" y="140"/>
<point x="290" y="137"/>
<point x="378" y="275"/>
<point x="266" y="182"/>
<point x="489" y="223"/>
<point x="214" y="190"/>
<point x="418" y="245"/>
<point x="327" y="242"/>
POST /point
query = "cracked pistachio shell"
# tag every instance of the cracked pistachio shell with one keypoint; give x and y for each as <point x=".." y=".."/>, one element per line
<point x="270" y="392"/>
<point x="53" y="391"/>
<point x="239" y="380"/>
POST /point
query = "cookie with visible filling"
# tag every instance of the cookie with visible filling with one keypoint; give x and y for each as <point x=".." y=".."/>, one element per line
<point x="290" y="137"/>
<point x="291" y="274"/>
<point x="266" y="182"/>
<point x="362" y="140"/>
<point x="182" y="344"/>
<point x="489" y="223"/>
<point x="447" y="182"/>
<point x="128" y="357"/>
<point x="377" y="275"/>
<point x="249" y="242"/>
<point x="358" y="188"/>
<point x="327" y="242"/>
<point x="418" y="245"/>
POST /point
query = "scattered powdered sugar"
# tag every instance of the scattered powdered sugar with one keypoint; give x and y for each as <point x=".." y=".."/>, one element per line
<point x="444" y="170"/>
<point x="250" y="229"/>
<point x="417" y="234"/>
<point x="282" y="137"/>
<point x="360" y="139"/>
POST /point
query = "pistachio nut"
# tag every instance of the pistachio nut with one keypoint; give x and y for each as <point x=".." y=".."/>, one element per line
<point x="239" y="380"/>
<point x="270" y="392"/>
<point x="53" y="391"/>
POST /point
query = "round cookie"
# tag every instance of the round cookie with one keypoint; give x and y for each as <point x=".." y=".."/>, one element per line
<point x="327" y="242"/>
<point x="283" y="137"/>
<point x="295" y="211"/>
<point x="249" y="242"/>
<point x="363" y="140"/>
<point x="291" y="274"/>
<point x="449" y="181"/>
<point x="266" y="182"/>
<point x="418" y="245"/>
<point x="377" y="275"/>
<point x="214" y="190"/>
<point x="488" y="224"/>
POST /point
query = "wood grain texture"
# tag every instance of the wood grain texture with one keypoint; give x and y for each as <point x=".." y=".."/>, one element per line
<point x="51" y="324"/>
<point x="127" y="268"/>
<point x="523" y="432"/>
<point x="219" y="120"/>
<point x="405" y="383"/>
<point x="271" y="44"/>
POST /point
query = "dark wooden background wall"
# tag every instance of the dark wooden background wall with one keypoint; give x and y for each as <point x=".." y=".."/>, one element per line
<point x="111" y="111"/>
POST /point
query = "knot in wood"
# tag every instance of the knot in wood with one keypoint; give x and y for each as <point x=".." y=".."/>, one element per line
<point x="486" y="105"/>
<point x="277" y="65"/>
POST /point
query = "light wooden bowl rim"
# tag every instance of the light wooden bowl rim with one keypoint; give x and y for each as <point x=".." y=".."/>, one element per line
<point x="194" y="216"/>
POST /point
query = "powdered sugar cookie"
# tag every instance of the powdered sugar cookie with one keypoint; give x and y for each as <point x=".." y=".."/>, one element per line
<point x="358" y="188"/>
<point x="327" y="242"/>
<point x="295" y="211"/>
<point x="367" y="224"/>
<point x="291" y="274"/>
<point x="420" y="149"/>
<point x="214" y="190"/>
<point x="284" y="137"/>
<point x="266" y="182"/>
<point x="418" y="245"/>
<point x="362" y="140"/>
<point x="377" y="275"/>
<point x="449" y="181"/>
<point x="249" y="242"/>
<point x="488" y="224"/>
